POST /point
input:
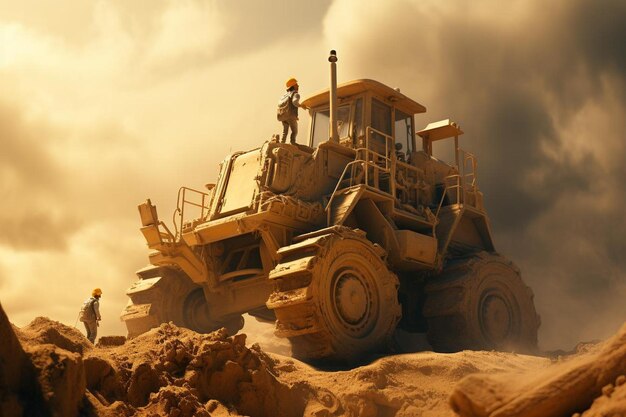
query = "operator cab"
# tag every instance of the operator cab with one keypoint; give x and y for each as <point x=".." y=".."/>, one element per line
<point x="376" y="123"/>
<point x="368" y="113"/>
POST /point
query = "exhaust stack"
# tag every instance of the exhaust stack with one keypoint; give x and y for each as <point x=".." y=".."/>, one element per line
<point x="334" y="135"/>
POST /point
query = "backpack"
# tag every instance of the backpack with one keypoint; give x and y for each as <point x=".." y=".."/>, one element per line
<point x="286" y="109"/>
<point x="86" y="311"/>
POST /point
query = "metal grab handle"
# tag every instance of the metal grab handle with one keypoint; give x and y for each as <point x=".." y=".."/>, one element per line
<point x="180" y="208"/>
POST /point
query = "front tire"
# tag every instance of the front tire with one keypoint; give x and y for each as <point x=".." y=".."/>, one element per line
<point x="340" y="304"/>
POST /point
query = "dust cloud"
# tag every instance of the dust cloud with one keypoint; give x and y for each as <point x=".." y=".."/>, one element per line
<point x="540" y="92"/>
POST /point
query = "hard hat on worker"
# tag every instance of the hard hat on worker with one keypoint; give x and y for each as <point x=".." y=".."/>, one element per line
<point x="96" y="292"/>
<point x="291" y="82"/>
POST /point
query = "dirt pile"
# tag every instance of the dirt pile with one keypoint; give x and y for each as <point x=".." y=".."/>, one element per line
<point x="167" y="371"/>
<point x="178" y="372"/>
<point x="60" y="378"/>
<point x="172" y="371"/>
<point x="38" y="379"/>
<point x="42" y="330"/>
<point x="591" y="383"/>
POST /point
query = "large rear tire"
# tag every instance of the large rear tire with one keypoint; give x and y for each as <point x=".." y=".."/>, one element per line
<point x="335" y="300"/>
<point x="164" y="295"/>
<point x="481" y="303"/>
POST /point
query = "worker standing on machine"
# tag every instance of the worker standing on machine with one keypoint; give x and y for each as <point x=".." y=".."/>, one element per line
<point x="287" y="111"/>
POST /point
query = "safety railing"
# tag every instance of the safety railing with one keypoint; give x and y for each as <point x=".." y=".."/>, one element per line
<point x="457" y="186"/>
<point x="371" y="162"/>
<point x="351" y="165"/>
<point x="368" y="151"/>
<point x="469" y="175"/>
<point x="182" y="206"/>
<point x="167" y="237"/>
<point x="375" y="162"/>
<point x="451" y="182"/>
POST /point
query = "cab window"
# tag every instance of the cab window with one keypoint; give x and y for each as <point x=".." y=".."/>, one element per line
<point x="343" y="121"/>
<point x="321" y="124"/>
<point x="404" y="131"/>
<point x="321" y="121"/>
<point x="381" y="121"/>
<point x="358" y="131"/>
<point x="381" y="117"/>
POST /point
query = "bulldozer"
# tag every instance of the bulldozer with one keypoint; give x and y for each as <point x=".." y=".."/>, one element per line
<point x="339" y="242"/>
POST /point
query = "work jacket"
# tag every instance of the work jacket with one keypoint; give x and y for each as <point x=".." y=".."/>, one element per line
<point x="90" y="310"/>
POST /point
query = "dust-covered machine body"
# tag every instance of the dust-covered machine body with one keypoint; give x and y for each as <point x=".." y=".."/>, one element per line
<point x="340" y="241"/>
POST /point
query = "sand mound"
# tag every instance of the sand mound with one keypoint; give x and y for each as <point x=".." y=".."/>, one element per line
<point x="567" y="387"/>
<point x="43" y="330"/>
<point x="416" y="384"/>
<point x="172" y="371"/>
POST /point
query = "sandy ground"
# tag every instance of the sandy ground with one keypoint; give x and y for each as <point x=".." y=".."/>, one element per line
<point x="416" y="384"/>
<point x="49" y="369"/>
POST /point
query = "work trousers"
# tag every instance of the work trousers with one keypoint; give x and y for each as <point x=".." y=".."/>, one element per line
<point x="293" y="124"/>
<point x="92" y="330"/>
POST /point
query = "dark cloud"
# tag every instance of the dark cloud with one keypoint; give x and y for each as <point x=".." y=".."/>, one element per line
<point x="539" y="77"/>
<point x="598" y="31"/>
<point x="518" y="84"/>
<point x="32" y="186"/>
<point x="516" y="80"/>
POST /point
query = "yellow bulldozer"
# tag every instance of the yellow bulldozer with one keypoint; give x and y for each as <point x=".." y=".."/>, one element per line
<point x="340" y="241"/>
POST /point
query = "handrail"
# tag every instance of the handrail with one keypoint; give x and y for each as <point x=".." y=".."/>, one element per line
<point x="464" y="181"/>
<point x="388" y="140"/>
<point x="366" y="157"/>
<point x="341" y="178"/>
<point x="459" y="192"/>
<point x="170" y="237"/>
<point x="467" y="156"/>
<point x="456" y="186"/>
<point x="180" y="207"/>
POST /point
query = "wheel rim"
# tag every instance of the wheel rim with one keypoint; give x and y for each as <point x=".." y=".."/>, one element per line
<point x="352" y="299"/>
<point x="354" y="302"/>
<point x="496" y="317"/>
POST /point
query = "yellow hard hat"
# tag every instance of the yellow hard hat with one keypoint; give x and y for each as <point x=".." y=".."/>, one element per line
<point x="96" y="291"/>
<point x="291" y="82"/>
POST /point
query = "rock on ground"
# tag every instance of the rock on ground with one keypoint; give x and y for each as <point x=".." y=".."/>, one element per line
<point x="584" y="384"/>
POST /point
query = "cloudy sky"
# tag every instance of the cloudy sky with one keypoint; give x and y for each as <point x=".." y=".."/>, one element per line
<point x="106" y="103"/>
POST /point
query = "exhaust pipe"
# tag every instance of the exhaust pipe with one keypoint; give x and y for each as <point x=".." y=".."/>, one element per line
<point x="334" y="135"/>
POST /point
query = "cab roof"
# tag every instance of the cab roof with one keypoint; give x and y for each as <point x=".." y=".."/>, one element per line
<point x="351" y="88"/>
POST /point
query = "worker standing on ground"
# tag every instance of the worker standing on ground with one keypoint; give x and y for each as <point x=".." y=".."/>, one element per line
<point x="90" y="314"/>
<point x="287" y="112"/>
